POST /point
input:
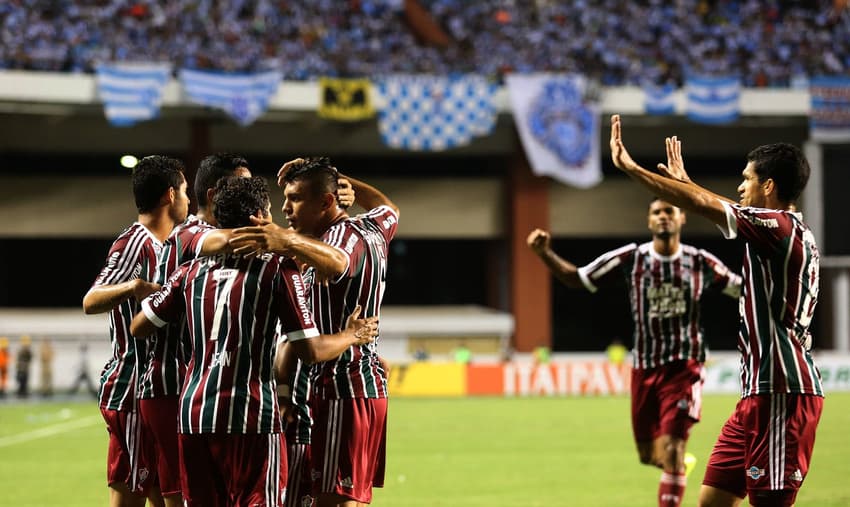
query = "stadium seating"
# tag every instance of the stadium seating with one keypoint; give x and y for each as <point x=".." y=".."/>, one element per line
<point x="617" y="43"/>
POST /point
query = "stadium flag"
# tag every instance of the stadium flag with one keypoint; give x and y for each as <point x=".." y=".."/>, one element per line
<point x="345" y="99"/>
<point x="558" y="127"/>
<point x="434" y="113"/>
<point x="829" y="119"/>
<point x="131" y="92"/>
<point x="713" y="100"/>
<point x="245" y="97"/>
<point x="659" y="100"/>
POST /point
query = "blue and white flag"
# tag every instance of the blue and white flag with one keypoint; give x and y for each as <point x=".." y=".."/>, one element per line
<point x="433" y="113"/>
<point x="660" y="100"/>
<point x="713" y="100"/>
<point x="245" y="97"/>
<point x="131" y="92"/>
<point x="829" y="119"/>
<point x="558" y="127"/>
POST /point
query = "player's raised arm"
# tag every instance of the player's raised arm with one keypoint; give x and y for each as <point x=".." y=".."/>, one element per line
<point x="540" y="242"/>
<point x="684" y="194"/>
<point x="370" y="197"/>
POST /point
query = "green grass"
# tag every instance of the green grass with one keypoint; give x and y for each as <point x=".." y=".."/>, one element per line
<point x="458" y="452"/>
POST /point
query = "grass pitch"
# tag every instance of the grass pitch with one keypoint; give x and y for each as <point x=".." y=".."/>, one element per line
<point x="449" y="452"/>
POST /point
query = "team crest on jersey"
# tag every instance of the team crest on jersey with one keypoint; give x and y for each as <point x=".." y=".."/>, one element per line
<point x="143" y="474"/>
<point x="306" y="501"/>
<point x="755" y="472"/>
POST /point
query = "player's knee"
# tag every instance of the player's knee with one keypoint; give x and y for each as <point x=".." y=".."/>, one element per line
<point x="783" y="498"/>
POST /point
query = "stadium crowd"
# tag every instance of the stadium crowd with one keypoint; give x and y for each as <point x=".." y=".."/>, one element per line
<point x="766" y="42"/>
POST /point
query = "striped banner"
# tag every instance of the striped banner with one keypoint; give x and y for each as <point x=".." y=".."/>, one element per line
<point x="131" y="92"/>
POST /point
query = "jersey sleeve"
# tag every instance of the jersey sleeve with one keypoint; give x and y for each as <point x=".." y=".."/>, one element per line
<point x="385" y="219"/>
<point x="167" y="304"/>
<point x="123" y="263"/>
<point x="718" y="276"/>
<point x="296" y="319"/>
<point x="606" y="266"/>
<point x="763" y="229"/>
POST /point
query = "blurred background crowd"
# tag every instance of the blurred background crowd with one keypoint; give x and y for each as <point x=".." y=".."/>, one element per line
<point x="768" y="43"/>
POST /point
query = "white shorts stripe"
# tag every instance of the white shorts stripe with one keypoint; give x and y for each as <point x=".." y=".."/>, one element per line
<point x="332" y="443"/>
<point x="776" y="435"/>
<point x="295" y="473"/>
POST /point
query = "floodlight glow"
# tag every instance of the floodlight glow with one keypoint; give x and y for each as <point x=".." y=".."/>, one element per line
<point x="129" y="161"/>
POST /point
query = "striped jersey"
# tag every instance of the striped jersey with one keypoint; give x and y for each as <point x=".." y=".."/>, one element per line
<point x="133" y="255"/>
<point x="781" y="277"/>
<point x="364" y="239"/>
<point x="299" y="430"/>
<point x="664" y="292"/>
<point x="232" y="306"/>
<point x="164" y="367"/>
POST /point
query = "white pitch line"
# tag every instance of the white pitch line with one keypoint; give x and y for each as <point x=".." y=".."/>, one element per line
<point x="50" y="430"/>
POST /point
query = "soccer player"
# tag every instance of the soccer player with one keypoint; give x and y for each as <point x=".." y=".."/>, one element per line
<point x="349" y="394"/>
<point x="127" y="277"/>
<point x="164" y="367"/>
<point x="666" y="280"/>
<point x="228" y="414"/>
<point x="765" y="446"/>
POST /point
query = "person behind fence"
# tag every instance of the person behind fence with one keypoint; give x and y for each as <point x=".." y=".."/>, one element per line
<point x="82" y="376"/>
<point x="22" y="367"/>
<point x="45" y="357"/>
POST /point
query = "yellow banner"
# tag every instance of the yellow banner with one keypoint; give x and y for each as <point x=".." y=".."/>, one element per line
<point x="428" y="379"/>
<point x="345" y="99"/>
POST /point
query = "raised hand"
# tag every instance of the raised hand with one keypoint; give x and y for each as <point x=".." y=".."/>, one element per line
<point x="345" y="193"/>
<point x="619" y="154"/>
<point x="675" y="167"/>
<point x="281" y="173"/>
<point x="539" y="241"/>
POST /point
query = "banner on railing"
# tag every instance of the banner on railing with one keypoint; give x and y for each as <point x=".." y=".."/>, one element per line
<point x="558" y="126"/>
<point x="829" y="120"/>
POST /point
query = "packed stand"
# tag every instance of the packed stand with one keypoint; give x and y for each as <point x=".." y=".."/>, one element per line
<point x="767" y="43"/>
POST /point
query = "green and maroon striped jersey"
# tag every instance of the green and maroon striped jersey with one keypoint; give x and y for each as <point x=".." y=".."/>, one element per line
<point x="134" y="254"/>
<point x="364" y="239"/>
<point x="232" y="306"/>
<point x="164" y="367"/>
<point x="665" y="293"/>
<point x="298" y="431"/>
<point x="781" y="277"/>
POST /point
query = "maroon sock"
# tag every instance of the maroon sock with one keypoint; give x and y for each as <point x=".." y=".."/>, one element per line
<point x="671" y="490"/>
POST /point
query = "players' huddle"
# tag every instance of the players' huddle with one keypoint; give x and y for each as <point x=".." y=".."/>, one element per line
<point x="228" y="330"/>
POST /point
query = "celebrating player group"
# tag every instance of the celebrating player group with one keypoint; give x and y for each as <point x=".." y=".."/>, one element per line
<point x="227" y="329"/>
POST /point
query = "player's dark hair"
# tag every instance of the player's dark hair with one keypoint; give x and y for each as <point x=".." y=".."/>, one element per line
<point x="152" y="177"/>
<point x="237" y="199"/>
<point x="785" y="164"/>
<point x="213" y="168"/>
<point x="318" y="171"/>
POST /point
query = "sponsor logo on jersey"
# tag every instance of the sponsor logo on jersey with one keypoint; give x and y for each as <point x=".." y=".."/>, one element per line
<point x="755" y="472"/>
<point x="346" y="483"/>
<point x="770" y="223"/>
<point x="796" y="476"/>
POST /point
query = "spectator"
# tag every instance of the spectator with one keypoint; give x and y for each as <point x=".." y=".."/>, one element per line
<point x="4" y="365"/>
<point x="22" y="367"/>
<point x="46" y="354"/>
